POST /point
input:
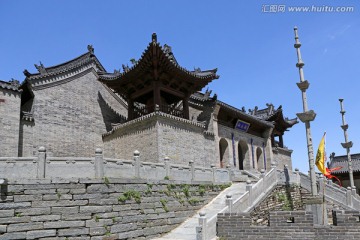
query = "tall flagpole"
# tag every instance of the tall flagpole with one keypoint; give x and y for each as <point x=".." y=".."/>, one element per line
<point x="307" y="115"/>
<point x="347" y="144"/>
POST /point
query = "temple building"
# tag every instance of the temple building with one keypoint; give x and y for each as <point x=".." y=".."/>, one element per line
<point x="155" y="106"/>
<point x="343" y="172"/>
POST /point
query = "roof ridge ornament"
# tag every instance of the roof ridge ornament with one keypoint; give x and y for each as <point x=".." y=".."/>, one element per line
<point x="40" y="68"/>
<point x="154" y="38"/>
<point x="14" y="82"/>
<point x="125" y="68"/>
<point x="197" y="70"/>
<point x="90" y="49"/>
<point x="167" y="49"/>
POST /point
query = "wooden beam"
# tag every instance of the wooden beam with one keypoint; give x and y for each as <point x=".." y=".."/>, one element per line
<point x="142" y="92"/>
<point x="173" y="92"/>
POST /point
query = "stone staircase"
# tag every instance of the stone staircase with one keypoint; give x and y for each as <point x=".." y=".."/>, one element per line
<point x="245" y="196"/>
<point x="186" y="231"/>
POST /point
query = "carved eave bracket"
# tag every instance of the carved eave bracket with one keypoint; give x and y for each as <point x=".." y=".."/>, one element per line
<point x="306" y="116"/>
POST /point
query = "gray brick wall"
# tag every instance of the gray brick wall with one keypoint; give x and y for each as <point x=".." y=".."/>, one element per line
<point x="70" y="118"/>
<point x="159" y="136"/>
<point x="9" y="122"/>
<point x="91" y="209"/>
<point x="282" y="157"/>
<point x="289" y="225"/>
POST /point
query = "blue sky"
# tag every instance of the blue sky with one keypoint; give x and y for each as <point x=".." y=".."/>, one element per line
<point x="251" y="47"/>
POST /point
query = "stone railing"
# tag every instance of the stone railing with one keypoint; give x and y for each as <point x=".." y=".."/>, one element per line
<point x="345" y="197"/>
<point x="41" y="167"/>
<point x="253" y="195"/>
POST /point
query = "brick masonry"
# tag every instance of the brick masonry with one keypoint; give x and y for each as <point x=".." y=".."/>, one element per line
<point x="97" y="209"/>
<point x="289" y="225"/>
<point x="9" y="122"/>
<point x="159" y="136"/>
<point x="69" y="118"/>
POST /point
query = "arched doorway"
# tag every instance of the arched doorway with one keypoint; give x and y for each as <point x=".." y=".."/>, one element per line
<point x="243" y="150"/>
<point x="224" y="152"/>
<point x="259" y="159"/>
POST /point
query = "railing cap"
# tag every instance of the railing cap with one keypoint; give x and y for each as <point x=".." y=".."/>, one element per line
<point x="202" y="214"/>
<point x="166" y="158"/>
<point x="136" y="153"/>
<point x="42" y="149"/>
<point x="98" y="151"/>
<point x="248" y="182"/>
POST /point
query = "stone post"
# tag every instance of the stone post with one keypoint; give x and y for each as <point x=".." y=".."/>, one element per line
<point x="228" y="167"/>
<point x="201" y="229"/>
<point x="249" y="189"/>
<point x="262" y="173"/>
<point x="354" y="191"/>
<point x="99" y="163"/>
<point x="41" y="166"/>
<point x="137" y="163"/>
<point x="192" y="169"/>
<point x="347" y="145"/>
<point x="273" y="165"/>
<point x="213" y="172"/>
<point x="307" y="115"/>
<point x="229" y="203"/>
<point x="321" y="185"/>
<point x="349" y="196"/>
<point x="167" y="166"/>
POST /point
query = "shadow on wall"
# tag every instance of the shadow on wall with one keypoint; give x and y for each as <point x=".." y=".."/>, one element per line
<point x="109" y="115"/>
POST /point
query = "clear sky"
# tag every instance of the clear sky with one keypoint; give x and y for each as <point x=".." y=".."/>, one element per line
<point x="250" y="42"/>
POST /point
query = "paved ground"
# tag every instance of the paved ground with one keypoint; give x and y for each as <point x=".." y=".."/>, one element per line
<point x="186" y="231"/>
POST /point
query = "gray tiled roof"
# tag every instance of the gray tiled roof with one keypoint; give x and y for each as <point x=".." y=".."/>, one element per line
<point x="342" y="161"/>
<point x="9" y="86"/>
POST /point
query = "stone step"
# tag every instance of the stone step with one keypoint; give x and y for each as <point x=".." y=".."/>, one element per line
<point x="186" y="231"/>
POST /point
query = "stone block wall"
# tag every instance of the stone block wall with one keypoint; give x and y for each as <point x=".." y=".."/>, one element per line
<point x="289" y="225"/>
<point x="97" y="209"/>
<point x="9" y="122"/>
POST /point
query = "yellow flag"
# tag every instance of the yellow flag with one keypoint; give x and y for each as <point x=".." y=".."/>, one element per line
<point x="320" y="156"/>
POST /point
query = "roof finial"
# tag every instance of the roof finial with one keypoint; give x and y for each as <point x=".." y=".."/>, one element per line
<point x="154" y="37"/>
<point x="40" y="68"/>
<point x="90" y="49"/>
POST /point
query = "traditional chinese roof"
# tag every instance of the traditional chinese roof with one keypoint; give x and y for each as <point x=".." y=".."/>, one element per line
<point x="157" y="62"/>
<point x="342" y="161"/>
<point x="12" y="85"/>
<point x="83" y="60"/>
<point x="271" y="115"/>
